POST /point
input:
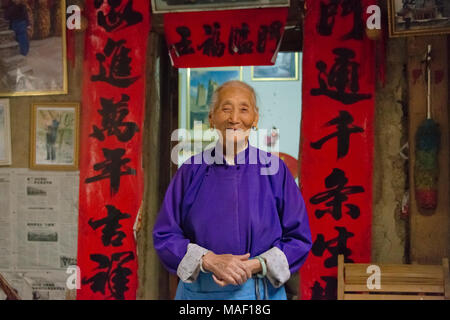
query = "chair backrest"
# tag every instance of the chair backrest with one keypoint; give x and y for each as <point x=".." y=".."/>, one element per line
<point x="8" y="289"/>
<point x="396" y="282"/>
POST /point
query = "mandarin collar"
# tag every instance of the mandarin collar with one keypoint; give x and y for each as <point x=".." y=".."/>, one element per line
<point x="242" y="154"/>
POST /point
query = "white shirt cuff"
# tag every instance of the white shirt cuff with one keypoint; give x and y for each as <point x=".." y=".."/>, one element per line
<point x="189" y="267"/>
<point x="277" y="266"/>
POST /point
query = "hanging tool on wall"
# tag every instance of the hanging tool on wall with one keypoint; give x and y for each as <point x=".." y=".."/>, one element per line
<point x="426" y="168"/>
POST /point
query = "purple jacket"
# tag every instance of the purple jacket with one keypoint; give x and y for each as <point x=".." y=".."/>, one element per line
<point x="233" y="210"/>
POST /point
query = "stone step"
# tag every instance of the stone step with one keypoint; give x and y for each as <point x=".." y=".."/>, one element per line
<point x="14" y="62"/>
<point x="9" y="49"/>
<point x="4" y="83"/>
<point x="7" y="36"/>
<point x="9" y="44"/>
<point x="4" y="25"/>
<point x="15" y="80"/>
<point x="25" y="70"/>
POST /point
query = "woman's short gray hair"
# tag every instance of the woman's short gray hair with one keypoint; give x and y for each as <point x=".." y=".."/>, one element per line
<point x="232" y="83"/>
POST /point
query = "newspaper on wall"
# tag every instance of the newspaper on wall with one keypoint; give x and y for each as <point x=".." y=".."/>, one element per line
<point x="5" y="220"/>
<point x="38" y="230"/>
<point x="36" y="285"/>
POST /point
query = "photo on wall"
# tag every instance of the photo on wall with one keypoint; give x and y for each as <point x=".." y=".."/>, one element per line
<point x="160" y="6"/>
<point x="5" y="133"/>
<point x="32" y="47"/>
<point x="54" y="136"/>
<point x="284" y="69"/>
<point x="418" y="17"/>
<point x="201" y="84"/>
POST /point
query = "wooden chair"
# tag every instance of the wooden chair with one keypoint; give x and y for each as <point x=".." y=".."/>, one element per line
<point x="8" y="289"/>
<point x="397" y="282"/>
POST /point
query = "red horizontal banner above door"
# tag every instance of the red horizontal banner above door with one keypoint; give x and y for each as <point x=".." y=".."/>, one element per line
<point x="224" y="38"/>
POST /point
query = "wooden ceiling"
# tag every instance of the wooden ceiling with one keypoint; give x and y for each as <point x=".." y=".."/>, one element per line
<point x="293" y="36"/>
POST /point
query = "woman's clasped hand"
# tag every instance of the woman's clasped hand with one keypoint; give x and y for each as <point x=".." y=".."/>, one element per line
<point x="230" y="269"/>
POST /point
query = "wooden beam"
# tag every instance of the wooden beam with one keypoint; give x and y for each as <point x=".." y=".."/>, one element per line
<point x="389" y="297"/>
<point x="153" y="282"/>
<point x="446" y="278"/>
<point x="341" y="279"/>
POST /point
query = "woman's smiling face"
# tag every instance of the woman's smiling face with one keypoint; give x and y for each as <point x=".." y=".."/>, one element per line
<point x="235" y="113"/>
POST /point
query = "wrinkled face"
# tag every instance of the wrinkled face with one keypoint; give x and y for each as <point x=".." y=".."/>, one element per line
<point x="235" y="114"/>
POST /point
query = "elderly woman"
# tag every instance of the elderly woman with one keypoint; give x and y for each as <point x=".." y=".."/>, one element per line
<point x="228" y="228"/>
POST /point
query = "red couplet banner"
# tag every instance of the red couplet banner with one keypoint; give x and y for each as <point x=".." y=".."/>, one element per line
<point x="337" y="140"/>
<point x="224" y="38"/>
<point x="111" y="182"/>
